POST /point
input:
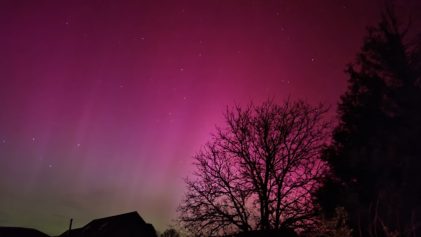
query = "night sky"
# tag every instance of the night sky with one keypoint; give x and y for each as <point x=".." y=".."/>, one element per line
<point x="103" y="103"/>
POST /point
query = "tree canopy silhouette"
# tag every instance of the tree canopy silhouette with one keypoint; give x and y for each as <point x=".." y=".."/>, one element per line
<point x="170" y="233"/>
<point x="258" y="172"/>
<point x="375" y="156"/>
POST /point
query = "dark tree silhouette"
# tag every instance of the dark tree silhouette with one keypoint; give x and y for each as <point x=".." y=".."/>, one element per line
<point x="170" y="233"/>
<point x="375" y="156"/>
<point x="258" y="172"/>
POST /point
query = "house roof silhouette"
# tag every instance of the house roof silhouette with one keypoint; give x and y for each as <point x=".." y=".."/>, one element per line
<point x="124" y="225"/>
<point x="20" y="232"/>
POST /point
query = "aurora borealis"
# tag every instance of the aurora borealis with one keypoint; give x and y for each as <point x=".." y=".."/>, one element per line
<point x="103" y="103"/>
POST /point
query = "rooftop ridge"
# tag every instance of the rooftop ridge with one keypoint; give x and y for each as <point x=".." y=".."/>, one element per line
<point x="118" y="216"/>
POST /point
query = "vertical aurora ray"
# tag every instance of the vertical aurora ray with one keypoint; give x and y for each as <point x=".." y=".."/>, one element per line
<point x="103" y="103"/>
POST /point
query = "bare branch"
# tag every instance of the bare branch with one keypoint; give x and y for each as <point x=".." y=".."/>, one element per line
<point x="259" y="171"/>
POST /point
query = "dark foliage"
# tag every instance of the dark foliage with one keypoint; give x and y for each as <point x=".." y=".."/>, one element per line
<point x="375" y="156"/>
<point x="170" y="233"/>
<point x="268" y="233"/>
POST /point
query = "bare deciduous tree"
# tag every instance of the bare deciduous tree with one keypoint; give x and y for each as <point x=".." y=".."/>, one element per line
<point x="258" y="172"/>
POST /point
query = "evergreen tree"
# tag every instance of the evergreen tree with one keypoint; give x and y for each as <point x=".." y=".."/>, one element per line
<point x="375" y="155"/>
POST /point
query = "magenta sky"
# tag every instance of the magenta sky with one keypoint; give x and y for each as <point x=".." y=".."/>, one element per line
<point x="103" y="103"/>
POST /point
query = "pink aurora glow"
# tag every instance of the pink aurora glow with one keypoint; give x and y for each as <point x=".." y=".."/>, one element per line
<point x="103" y="103"/>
